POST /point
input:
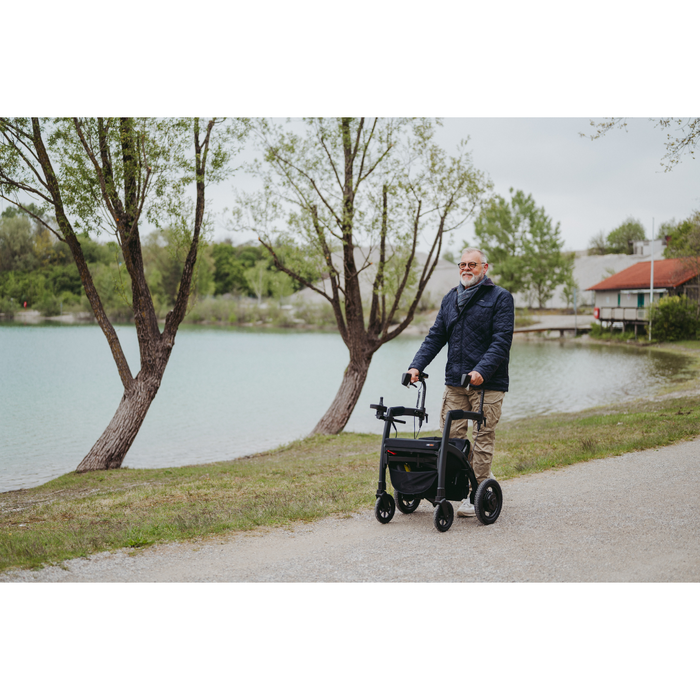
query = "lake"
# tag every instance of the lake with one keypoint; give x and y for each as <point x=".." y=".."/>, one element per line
<point x="232" y="392"/>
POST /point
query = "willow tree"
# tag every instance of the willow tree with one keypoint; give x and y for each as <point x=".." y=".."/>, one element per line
<point x="114" y="175"/>
<point x="351" y="198"/>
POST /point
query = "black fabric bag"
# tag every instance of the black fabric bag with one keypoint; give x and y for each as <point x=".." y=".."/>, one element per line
<point x="414" y="483"/>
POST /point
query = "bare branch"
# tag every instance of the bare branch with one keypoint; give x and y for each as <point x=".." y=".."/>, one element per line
<point x="330" y="160"/>
<point x="294" y="275"/>
<point x="311" y="181"/>
<point x="47" y="226"/>
<point x="98" y="169"/>
<point x="76" y="250"/>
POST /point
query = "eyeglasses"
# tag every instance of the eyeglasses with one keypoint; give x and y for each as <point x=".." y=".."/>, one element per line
<point x="471" y="265"/>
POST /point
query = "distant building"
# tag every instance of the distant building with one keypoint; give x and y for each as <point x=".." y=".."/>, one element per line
<point x="644" y="248"/>
<point x="625" y="297"/>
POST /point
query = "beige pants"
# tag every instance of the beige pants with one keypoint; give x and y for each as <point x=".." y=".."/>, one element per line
<point x="456" y="397"/>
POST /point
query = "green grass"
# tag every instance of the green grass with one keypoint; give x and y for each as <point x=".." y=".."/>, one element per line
<point x="538" y="444"/>
<point x="77" y="515"/>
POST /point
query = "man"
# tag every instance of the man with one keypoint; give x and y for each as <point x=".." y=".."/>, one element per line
<point x="476" y="321"/>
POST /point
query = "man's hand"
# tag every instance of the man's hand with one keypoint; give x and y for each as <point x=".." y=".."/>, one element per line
<point x="474" y="378"/>
<point x="414" y="374"/>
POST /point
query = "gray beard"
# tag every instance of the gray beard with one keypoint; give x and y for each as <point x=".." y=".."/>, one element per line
<point x="474" y="280"/>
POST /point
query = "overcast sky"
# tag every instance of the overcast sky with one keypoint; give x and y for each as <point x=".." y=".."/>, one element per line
<point x="544" y="68"/>
<point x="586" y="186"/>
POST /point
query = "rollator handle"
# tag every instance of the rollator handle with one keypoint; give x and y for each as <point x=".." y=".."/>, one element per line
<point x="466" y="382"/>
<point x="406" y="377"/>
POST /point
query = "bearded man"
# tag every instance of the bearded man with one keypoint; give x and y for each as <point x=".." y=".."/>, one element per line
<point x="476" y="321"/>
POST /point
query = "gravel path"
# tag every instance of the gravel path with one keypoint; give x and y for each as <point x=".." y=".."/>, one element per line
<point x="630" y="518"/>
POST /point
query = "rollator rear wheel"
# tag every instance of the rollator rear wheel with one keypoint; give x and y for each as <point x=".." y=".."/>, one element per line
<point x="488" y="501"/>
<point x="384" y="508"/>
<point x="443" y="516"/>
<point x="405" y="503"/>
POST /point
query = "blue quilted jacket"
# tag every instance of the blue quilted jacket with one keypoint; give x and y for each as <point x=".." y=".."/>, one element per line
<point x="478" y="339"/>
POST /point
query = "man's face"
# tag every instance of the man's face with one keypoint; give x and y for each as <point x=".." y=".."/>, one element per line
<point x="471" y="270"/>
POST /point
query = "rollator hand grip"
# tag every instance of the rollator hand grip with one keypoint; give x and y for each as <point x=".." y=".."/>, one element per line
<point x="406" y="377"/>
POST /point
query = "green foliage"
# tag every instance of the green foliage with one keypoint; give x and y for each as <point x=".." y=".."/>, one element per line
<point x="249" y="269"/>
<point x="675" y="318"/>
<point x="621" y="240"/>
<point x="8" y="308"/>
<point x="598" y="245"/>
<point x="523" y="318"/>
<point x="684" y="238"/>
<point x="229" y="269"/>
<point x="258" y="279"/>
<point x="571" y="292"/>
<point x="666" y="229"/>
<point x="614" y="334"/>
<point x="523" y="247"/>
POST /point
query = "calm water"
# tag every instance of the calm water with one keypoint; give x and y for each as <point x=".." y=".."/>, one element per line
<point x="228" y="393"/>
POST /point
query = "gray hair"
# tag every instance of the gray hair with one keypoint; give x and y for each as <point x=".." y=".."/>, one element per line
<point x="476" y="250"/>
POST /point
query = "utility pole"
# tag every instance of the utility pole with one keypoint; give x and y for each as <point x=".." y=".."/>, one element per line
<point x="651" y="284"/>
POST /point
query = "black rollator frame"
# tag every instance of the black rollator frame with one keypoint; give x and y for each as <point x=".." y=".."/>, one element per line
<point x="436" y="469"/>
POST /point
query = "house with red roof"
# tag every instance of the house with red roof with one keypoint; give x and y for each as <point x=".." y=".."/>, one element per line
<point x="625" y="297"/>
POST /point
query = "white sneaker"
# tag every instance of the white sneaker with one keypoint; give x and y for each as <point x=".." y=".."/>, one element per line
<point x="466" y="510"/>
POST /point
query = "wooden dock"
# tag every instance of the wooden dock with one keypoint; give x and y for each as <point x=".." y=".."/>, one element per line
<point x="543" y="328"/>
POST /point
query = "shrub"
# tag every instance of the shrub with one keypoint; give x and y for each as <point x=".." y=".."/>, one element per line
<point x="617" y="334"/>
<point x="8" y="308"/>
<point x="49" y="304"/>
<point x="596" y="330"/>
<point x="675" y="318"/>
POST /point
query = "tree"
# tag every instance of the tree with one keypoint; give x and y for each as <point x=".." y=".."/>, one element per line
<point x="598" y="245"/>
<point x="684" y="243"/>
<point x="115" y="174"/>
<point x="684" y="139"/>
<point x="684" y="238"/>
<point x="666" y="229"/>
<point x="570" y="292"/>
<point x="523" y="247"/>
<point x="351" y="197"/>
<point x="229" y="271"/>
<point x="258" y="278"/>
<point x="621" y="240"/>
<point x="16" y="243"/>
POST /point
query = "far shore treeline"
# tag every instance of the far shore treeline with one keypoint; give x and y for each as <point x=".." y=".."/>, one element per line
<point x="234" y="283"/>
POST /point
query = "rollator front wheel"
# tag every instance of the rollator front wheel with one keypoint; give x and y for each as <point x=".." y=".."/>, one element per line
<point x="384" y="508"/>
<point x="443" y="516"/>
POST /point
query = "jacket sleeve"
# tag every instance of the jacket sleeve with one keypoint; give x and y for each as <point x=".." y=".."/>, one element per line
<point x="434" y="341"/>
<point x="501" y="338"/>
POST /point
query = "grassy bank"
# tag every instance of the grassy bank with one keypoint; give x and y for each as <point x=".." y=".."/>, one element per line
<point x="75" y="516"/>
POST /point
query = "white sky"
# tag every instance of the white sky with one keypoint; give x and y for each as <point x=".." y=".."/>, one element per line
<point x="521" y="79"/>
<point x="587" y="186"/>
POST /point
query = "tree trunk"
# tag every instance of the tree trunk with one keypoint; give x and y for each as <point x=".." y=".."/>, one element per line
<point x="340" y="410"/>
<point x="110" y="449"/>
